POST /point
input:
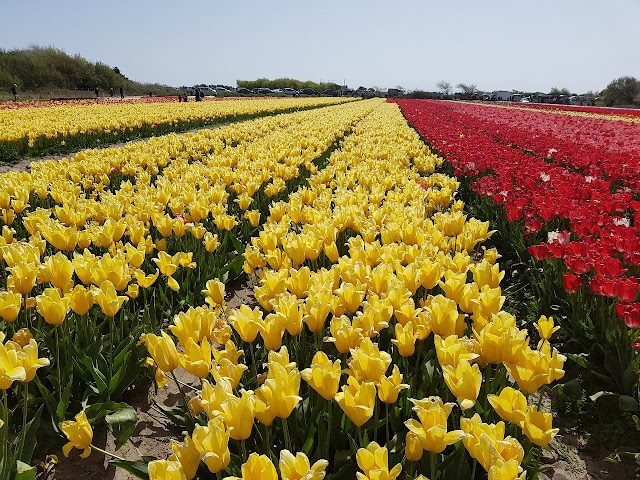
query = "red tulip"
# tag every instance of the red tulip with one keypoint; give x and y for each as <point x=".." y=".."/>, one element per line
<point x="571" y="283"/>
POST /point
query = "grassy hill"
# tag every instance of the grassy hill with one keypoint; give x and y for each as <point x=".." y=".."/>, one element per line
<point x="41" y="72"/>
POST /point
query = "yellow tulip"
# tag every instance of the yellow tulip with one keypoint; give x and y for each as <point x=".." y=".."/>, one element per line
<point x="374" y="462"/>
<point x="282" y="357"/>
<point x="239" y="414"/>
<point x="537" y="427"/>
<point x="145" y="281"/>
<point x="30" y="360"/>
<point x="108" y="299"/>
<point x="289" y="308"/>
<point x="413" y="449"/>
<point x="285" y="387"/>
<point x="79" y="435"/>
<point x="225" y="368"/>
<point x="546" y="327"/>
<point x="389" y="387"/>
<point x="272" y="330"/>
<point x="163" y="351"/>
<point x="187" y="455"/>
<point x="357" y="400"/>
<point x="212" y="441"/>
<point x="196" y="359"/>
<point x="23" y="276"/>
<point x="166" y="263"/>
<point x="344" y="335"/>
<point x="257" y="466"/>
<point x="230" y="352"/>
<point x="210" y="242"/>
<point x="431" y="430"/>
<point x="166" y="470"/>
<point x="299" y="467"/>
<point x="214" y="292"/>
<point x="81" y="299"/>
<point x="487" y="273"/>
<point x="495" y="339"/>
<point x="511" y="405"/>
<point x="322" y="375"/>
<point x="10" y="303"/>
<point x="349" y="297"/>
<point x="452" y="349"/>
<point x="464" y="381"/>
<point x="52" y="306"/>
<point x="196" y="323"/>
<point x="444" y="317"/>
<point x="58" y="270"/>
<point x="487" y="443"/>
<point x="367" y="362"/>
<point x="405" y="340"/>
<point x="316" y="310"/>
<point x="11" y="369"/>
<point x="510" y="470"/>
<point x="246" y="322"/>
<point x="253" y="216"/>
<point x="212" y="397"/>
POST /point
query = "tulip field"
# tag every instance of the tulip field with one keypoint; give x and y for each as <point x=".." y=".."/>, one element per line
<point x="383" y="339"/>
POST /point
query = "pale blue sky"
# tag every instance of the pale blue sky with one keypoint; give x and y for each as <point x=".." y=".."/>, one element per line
<point x="496" y="44"/>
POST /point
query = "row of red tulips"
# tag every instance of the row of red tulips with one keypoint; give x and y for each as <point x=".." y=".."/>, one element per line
<point x="570" y="182"/>
<point x="629" y="113"/>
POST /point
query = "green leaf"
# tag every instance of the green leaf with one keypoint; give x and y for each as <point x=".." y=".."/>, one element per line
<point x="137" y="469"/>
<point x="98" y="377"/>
<point x="63" y="403"/>
<point x="176" y="415"/>
<point x="239" y="247"/>
<point x="28" y="438"/>
<point x="49" y="402"/>
<point x="122" y="423"/>
<point x="119" y="374"/>
<point x="579" y="359"/>
<point x="100" y="410"/>
<point x="25" y="472"/>
<point x="628" y="404"/>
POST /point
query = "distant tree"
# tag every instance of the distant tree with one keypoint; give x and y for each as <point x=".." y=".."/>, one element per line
<point x="623" y="90"/>
<point x="444" y="87"/>
<point x="467" y="90"/>
<point x="559" y="91"/>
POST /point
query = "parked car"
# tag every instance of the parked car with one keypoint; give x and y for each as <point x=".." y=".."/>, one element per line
<point x="289" y="91"/>
<point x="308" y="91"/>
<point x="244" y="91"/>
<point x="263" y="91"/>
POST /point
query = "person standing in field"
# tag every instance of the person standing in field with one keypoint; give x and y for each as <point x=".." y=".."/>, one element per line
<point x="14" y="91"/>
<point x="97" y="92"/>
<point x="121" y="92"/>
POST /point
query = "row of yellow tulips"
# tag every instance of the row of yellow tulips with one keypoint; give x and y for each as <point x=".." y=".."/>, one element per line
<point x="63" y="127"/>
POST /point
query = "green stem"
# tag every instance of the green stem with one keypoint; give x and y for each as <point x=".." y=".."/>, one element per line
<point x="285" y="430"/>
<point x="109" y="454"/>
<point x="244" y="451"/>
<point x="433" y="459"/>
<point x="473" y="471"/>
<point x="328" y="444"/>
<point x="55" y="330"/>
<point x="4" y="431"/>
<point x="268" y="440"/>
<point x="185" y="403"/>
<point x="386" y="425"/>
